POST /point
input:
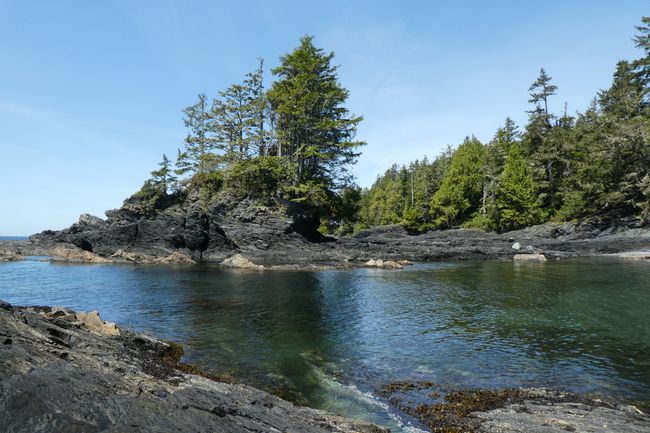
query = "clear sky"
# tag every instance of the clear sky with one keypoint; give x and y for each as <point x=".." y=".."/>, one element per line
<point x="91" y="92"/>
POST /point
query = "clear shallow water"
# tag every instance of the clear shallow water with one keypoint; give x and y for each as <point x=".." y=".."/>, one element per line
<point x="336" y="336"/>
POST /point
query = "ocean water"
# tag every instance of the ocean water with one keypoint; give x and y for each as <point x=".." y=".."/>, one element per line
<point x="333" y="338"/>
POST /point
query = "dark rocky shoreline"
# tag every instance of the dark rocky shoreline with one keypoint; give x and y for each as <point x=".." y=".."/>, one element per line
<point x="387" y="243"/>
<point x="65" y="371"/>
<point x="283" y="235"/>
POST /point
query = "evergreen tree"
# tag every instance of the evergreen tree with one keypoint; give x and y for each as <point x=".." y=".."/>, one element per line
<point x="201" y="142"/>
<point x="259" y="116"/>
<point x="516" y="198"/>
<point x="314" y="129"/>
<point x="494" y="160"/>
<point x="596" y="164"/>
<point x="624" y="99"/>
<point x="240" y="118"/>
<point x="164" y="176"/>
<point x="540" y="90"/>
<point x="460" y="191"/>
<point x="546" y="152"/>
<point x="231" y="122"/>
<point x="642" y="65"/>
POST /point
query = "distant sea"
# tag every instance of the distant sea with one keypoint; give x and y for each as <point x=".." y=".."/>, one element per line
<point x="13" y="238"/>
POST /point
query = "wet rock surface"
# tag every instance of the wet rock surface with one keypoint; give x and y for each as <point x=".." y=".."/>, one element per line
<point x="514" y="410"/>
<point x="62" y="371"/>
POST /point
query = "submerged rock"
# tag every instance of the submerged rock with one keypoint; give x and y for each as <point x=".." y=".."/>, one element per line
<point x="634" y="255"/>
<point x="61" y="371"/>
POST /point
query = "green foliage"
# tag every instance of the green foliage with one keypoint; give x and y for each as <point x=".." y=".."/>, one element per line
<point x="346" y="210"/>
<point x="240" y="118"/>
<point x="148" y="198"/>
<point x="540" y="90"/>
<point x="642" y="65"/>
<point x="403" y="194"/>
<point x="314" y="195"/>
<point x="296" y="140"/>
<point x="561" y="168"/>
<point x="314" y="129"/>
<point x="516" y="195"/>
<point x="156" y="189"/>
<point x="480" y="221"/>
<point x="208" y="184"/>
<point x="164" y="176"/>
<point x="261" y="177"/>
<point x="460" y="192"/>
<point x="201" y="141"/>
<point x="644" y="203"/>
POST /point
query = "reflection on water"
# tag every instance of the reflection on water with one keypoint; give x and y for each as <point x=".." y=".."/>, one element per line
<point x="332" y="337"/>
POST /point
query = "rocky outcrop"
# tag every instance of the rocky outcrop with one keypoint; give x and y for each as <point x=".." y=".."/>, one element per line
<point x="240" y="262"/>
<point x="187" y="229"/>
<point x="276" y="234"/>
<point x="387" y="264"/>
<point x="544" y="411"/>
<point x="553" y="240"/>
<point x="514" y="410"/>
<point x="62" y="371"/>
<point x="9" y="256"/>
<point x="70" y="253"/>
<point x="94" y="323"/>
<point x="529" y="258"/>
<point x="135" y="257"/>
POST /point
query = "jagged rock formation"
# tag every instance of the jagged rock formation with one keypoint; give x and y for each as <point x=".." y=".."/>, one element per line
<point x="241" y="232"/>
<point x="186" y="230"/>
<point x="62" y="371"/>
<point x="9" y="256"/>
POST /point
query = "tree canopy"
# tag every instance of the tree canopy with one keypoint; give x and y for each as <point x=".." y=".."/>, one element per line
<point x="297" y="141"/>
<point x="562" y="166"/>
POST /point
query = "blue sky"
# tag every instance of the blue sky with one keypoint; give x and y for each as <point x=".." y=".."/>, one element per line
<point x="91" y="92"/>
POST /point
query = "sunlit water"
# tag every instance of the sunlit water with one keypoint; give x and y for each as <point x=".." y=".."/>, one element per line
<point x="334" y="337"/>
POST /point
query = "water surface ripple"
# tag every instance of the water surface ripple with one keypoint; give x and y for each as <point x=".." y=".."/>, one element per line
<point x="332" y="337"/>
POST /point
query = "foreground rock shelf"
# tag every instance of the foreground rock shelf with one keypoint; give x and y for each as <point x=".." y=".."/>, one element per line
<point x="513" y="410"/>
<point x="62" y="371"/>
<point x="65" y="371"/>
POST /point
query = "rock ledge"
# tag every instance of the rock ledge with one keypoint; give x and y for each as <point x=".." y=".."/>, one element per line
<point x="62" y="371"/>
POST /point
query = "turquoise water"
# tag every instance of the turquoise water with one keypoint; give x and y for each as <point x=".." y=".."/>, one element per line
<point x="333" y="337"/>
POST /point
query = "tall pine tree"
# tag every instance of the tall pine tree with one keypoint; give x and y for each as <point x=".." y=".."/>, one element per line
<point x="516" y="197"/>
<point x="314" y="128"/>
<point x="461" y="189"/>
